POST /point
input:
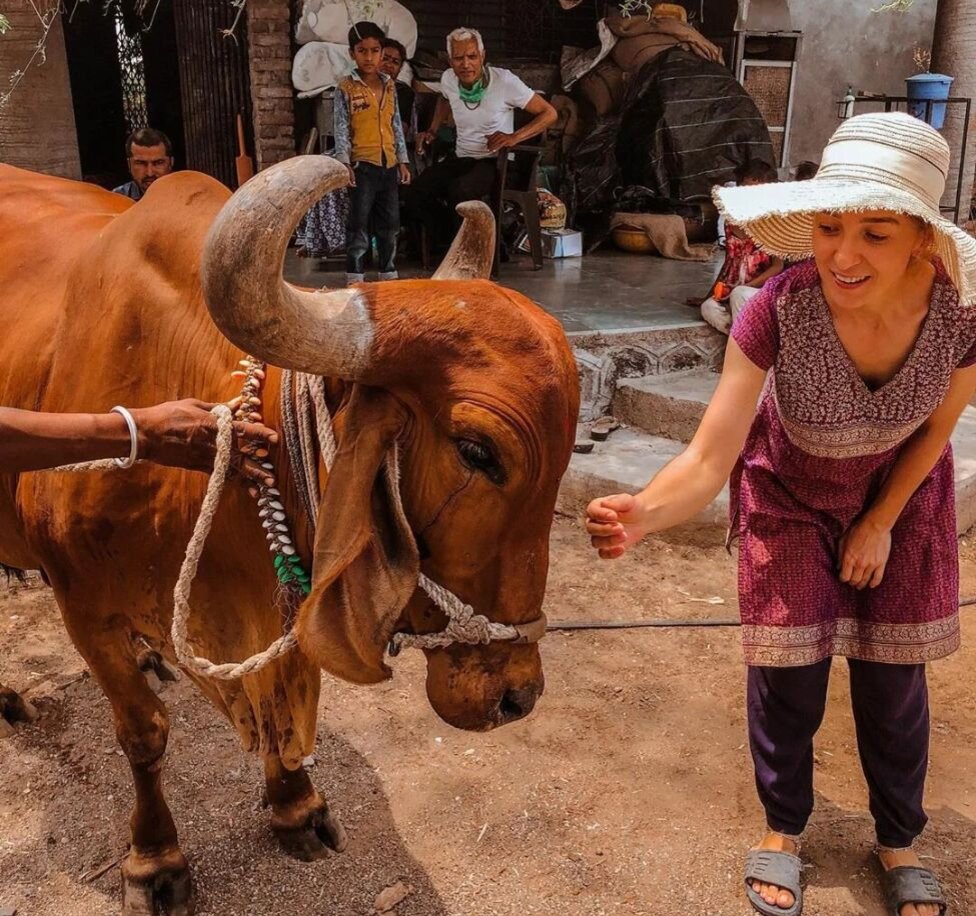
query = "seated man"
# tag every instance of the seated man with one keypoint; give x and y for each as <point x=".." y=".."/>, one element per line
<point x="482" y="100"/>
<point x="150" y="156"/>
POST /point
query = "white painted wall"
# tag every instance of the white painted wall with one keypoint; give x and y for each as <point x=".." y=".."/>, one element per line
<point x="844" y="43"/>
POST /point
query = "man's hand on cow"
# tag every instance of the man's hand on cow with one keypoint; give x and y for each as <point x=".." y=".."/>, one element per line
<point x="500" y="140"/>
<point x="352" y="176"/>
<point x="404" y="171"/>
<point x="183" y="434"/>
<point x="615" y="523"/>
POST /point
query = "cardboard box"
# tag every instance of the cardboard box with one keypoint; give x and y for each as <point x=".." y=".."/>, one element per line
<point x="558" y="243"/>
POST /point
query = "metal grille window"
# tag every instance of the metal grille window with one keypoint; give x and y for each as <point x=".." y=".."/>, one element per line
<point x="133" y="75"/>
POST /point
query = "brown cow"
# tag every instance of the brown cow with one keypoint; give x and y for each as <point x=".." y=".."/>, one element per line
<point x="102" y="302"/>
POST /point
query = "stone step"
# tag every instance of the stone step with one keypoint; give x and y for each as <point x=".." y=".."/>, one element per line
<point x="631" y="457"/>
<point x="606" y="357"/>
<point x="964" y="455"/>
<point x="669" y="405"/>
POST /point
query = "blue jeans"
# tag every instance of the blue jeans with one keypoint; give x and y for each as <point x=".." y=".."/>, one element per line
<point x="374" y="205"/>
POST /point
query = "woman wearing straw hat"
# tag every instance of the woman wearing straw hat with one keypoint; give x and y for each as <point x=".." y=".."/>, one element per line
<point x="861" y="361"/>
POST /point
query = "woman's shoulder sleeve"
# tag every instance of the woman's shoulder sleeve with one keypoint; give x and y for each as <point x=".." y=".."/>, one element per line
<point x="756" y="329"/>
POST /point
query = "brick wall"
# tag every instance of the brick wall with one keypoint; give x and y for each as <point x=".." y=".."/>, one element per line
<point x="270" y="53"/>
<point x="37" y="128"/>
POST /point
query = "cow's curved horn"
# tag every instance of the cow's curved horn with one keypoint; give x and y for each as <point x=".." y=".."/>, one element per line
<point x="473" y="249"/>
<point x="327" y="332"/>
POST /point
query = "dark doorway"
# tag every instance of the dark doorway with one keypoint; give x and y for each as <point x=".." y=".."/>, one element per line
<point x="96" y="92"/>
<point x="166" y="64"/>
<point x="124" y="75"/>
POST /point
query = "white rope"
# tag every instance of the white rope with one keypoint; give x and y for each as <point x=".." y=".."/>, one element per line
<point x="179" y="631"/>
<point x="188" y="571"/>
<point x="103" y="464"/>
<point x="323" y="423"/>
<point x="464" y="625"/>
<point x="306" y="436"/>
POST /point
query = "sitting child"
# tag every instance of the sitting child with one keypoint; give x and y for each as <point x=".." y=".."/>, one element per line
<point x="746" y="267"/>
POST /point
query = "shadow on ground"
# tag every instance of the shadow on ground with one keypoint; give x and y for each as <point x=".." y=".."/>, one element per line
<point x="67" y="792"/>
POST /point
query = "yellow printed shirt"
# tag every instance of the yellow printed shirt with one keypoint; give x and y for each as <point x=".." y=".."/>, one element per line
<point x="367" y="128"/>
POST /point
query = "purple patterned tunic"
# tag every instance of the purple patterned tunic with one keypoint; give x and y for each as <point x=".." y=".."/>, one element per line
<point x="819" y="449"/>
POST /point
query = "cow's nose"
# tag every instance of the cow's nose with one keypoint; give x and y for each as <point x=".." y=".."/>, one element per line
<point x="516" y="703"/>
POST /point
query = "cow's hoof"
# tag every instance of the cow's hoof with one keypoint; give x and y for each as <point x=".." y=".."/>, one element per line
<point x="163" y="890"/>
<point x="13" y="708"/>
<point x="317" y="836"/>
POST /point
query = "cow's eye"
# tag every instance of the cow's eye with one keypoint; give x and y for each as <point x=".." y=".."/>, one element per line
<point x="480" y="457"/>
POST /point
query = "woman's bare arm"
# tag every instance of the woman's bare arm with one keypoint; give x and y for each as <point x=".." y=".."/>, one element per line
<point x="692" y="480"/>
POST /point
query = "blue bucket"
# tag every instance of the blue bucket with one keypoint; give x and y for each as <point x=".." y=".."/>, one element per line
<point x="925" y="88"/>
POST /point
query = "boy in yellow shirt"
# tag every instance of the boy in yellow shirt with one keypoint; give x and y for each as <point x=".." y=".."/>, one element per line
<point x="369" y="140"/>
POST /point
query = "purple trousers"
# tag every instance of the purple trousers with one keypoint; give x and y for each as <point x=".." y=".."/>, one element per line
<point x="785" y="707"/>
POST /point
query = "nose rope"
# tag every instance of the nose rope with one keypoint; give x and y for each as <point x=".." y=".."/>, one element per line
<point x="464" y="625"/>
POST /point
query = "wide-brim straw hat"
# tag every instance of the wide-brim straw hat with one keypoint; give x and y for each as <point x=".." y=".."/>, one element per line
<point x="883" y="161"/>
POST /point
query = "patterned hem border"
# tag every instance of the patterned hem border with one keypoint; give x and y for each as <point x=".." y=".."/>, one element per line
<point x="901" y="644"/>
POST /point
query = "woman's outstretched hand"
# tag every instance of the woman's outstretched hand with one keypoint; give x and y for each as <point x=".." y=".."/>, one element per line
<point x="863" y="553"/>
<point x="615" y="523"/>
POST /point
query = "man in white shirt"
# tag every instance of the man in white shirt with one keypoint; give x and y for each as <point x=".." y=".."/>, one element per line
<point x="482" y="100"/>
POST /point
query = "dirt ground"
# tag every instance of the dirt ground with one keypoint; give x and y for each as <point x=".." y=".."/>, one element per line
<point x="628" y="791"/>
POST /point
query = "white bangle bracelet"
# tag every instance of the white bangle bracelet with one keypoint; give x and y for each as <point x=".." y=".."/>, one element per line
<point x="133" y="438"/>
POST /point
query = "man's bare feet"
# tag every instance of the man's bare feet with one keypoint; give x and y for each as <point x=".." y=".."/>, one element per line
<point x="892" y="858"/>
<point x="770" y="892"/>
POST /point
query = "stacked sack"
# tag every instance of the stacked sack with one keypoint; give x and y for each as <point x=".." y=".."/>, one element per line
<point x="322" y="31"/>
<point x="639" y="39"/>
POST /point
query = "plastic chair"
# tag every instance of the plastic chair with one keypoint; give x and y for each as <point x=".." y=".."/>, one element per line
<point x="517" y="182"/>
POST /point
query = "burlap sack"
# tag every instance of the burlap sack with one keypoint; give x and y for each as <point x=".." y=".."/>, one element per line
<point x="630" y="54"/>
<point x="603" y="87"/>
<point x="567" y="130"/>
<point x="625" y="26"/>
<point x="679" y="32"/>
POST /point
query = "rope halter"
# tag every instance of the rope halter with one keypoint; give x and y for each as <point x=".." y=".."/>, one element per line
<point x="463" y="624"/>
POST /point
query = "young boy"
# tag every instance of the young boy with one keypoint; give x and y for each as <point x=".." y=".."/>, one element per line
<point x="369" y="140"/>
<point x="746" y="267"/>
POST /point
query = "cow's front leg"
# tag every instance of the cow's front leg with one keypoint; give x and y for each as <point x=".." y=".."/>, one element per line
<point x="13" y="708"/>
<point x="155" y="873"/>
<point x="300" y="816"/>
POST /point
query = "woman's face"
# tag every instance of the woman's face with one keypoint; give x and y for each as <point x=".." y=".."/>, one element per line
<point x="863" y="257"/>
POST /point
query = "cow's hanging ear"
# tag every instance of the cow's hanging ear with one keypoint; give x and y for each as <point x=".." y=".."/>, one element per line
<point x="366" y="563"/>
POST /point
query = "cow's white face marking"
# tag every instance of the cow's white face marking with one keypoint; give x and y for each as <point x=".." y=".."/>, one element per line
<point x="460" y="304"/>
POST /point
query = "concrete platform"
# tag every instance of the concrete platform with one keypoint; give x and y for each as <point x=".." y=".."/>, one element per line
<point x="606" y="291"/>
<point x="631" y="457"/>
